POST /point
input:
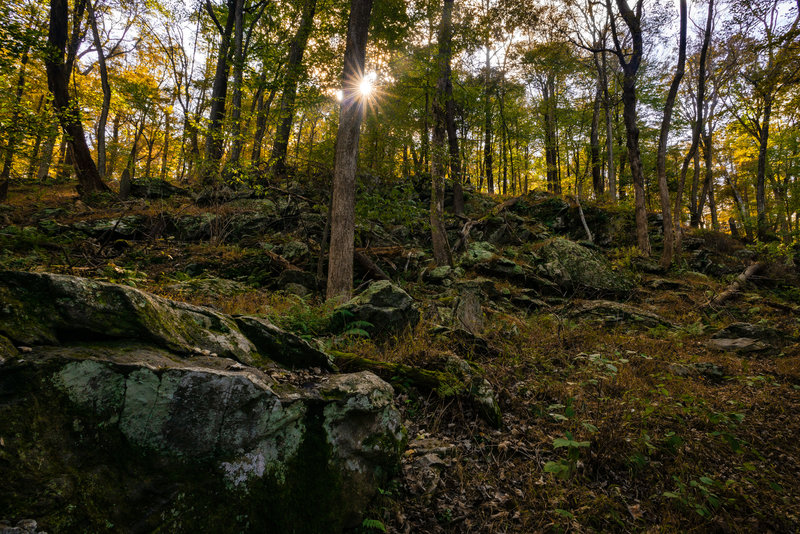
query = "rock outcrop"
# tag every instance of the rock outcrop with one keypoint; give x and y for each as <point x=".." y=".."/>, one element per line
<point x="384" y="306"/>
<point x="121" y="408"/>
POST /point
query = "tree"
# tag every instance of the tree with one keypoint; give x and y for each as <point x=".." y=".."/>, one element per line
<point x="288" y="95"/>
<point x="441" y="249"/>
<point x="661" y="162"/>
<point x="59" y="62"/>
<point x="340" y="258"/>
<point x="629" y="63"/>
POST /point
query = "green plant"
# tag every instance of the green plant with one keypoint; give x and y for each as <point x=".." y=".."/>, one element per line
<point x="566" y="467"/>
<point x="701" y="495"/>
<point x="373" y="524"/>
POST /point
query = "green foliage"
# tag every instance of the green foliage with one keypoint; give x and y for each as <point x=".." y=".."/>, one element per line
<point x="369" y="525"/>
<point x="565" y="468"/>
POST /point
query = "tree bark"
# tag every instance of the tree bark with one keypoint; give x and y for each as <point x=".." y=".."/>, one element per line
<point x="696" y="129"/>
<point x="661" y="163"/>
<point x="293" y="70"/>
<point x="340" y="262"/>
<point x="67" y="108"/>
<point x="441" y="248"/>
<point x="594" y="143"/>
<point x="103" y="119"/>
<point x="487" y="124"/>
<point x="630" y="68"/>
<point x="219" y="92"/>
<point x="761" y="197"/>
<point x="236" y="97"/>
<point x="13" y="134"/>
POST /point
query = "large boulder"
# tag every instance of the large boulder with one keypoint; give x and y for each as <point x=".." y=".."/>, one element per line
<point x="114" y="401"/>
<point x="125" y="434"/>
<point x="575" y="267"/>
<point x="386" y="307"/>
<point x="44" y="308"/>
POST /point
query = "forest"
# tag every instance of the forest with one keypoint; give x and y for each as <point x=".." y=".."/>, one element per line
<point x="399" y="265"/>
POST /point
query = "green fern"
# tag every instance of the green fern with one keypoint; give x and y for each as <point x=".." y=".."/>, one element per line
<point x="373" y="524"/>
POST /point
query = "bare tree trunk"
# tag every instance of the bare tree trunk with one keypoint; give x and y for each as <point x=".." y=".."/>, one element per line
<point x="340" y="262"/>
<point x="13" y="134"/>
<point x="441" y="248"/>
<point x="262" y="114"/>
<point x="612" y="175"/>
<point x="487" y="124"/>
<point x="630" y="67"/>
<point x="219" y="92"/>
<point x="66" y="107"/>
<point x="103" y="119"/>
<point x="236" y="97"/>
<point x="661" y="163"/>
<point x="594" y="142"/>
<point x="165" y="149"/>
<point x="761" y="197"/>
<point x="701" y="89"/>
<point x="293" y="70"/>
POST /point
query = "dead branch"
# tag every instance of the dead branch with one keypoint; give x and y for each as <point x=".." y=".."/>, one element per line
<point x="737" y="284"/>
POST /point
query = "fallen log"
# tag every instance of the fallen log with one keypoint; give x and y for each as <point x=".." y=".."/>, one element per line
<point x="368" y="265"/>
<point x="737" y="285"/>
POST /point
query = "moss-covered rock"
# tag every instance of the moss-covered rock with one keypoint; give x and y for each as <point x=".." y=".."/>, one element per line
<point x="576" y="267"/>
<point x="96" y="433"/>
<point x="386" y="307"/>
<point x="43" y="308"/>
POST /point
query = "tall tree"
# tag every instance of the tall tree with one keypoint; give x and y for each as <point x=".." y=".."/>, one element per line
<point x="290" y="81"/>
<point x="441" y="249"/>
<point x="661" y="157"/>
<point x="340" y="258"/>
<point x="59" y="62"/>
<point x="629" y="63"/>
<point x="219" y="92"/>
<point x="11" y="142"/>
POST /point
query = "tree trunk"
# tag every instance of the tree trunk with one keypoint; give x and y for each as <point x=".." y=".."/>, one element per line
<point x="761" y="198"/>
<point x="630" y="67"/>
<point x="262" y="114"/>
<point x="219" y="92"/>
<point x="594" y="143"/>
<point x="700" y="107"/>
<point x="441" y="248"/>
<point x="340" y="262"/>
<point x="612" y="175"/>
<point x="13" y="134"/>
<point x="101" y="122"/>
<point x="293" y="70"/>
<point x="661" y="163"/>
<point x="236" y="97"/>
<point x="487" y="125"/>
<point x="66" y="107"/>
<point x="165" y="149"/>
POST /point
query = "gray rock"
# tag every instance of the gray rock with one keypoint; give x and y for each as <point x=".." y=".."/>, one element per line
<point x="283" y="347"/>
<point x="741" y="345"/>
<point x="295" y="251"/>
<point x="576" y="267"/>
<point x="154" y="188"/>
<point x="194" y="434"/>
<point x="480" y="390"/>
<point x="613" y="312"/>
<point x="385" y="306"/>
<point x="43" y="308"/>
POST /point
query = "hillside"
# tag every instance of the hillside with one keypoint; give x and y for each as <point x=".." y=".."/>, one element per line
<point x="545" y="382"/>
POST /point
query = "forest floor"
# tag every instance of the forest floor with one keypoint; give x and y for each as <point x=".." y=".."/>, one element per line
<point x="608" y="424"/>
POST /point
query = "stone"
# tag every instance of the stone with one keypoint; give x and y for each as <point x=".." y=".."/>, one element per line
<point x="190" y="434"/>
<point x="295" y="251"/>
<point x="154" y="188"/>
<point x="385" y="306"/>
<point x="613" y="312"/>
<point x="468" y="312"/>
<point x="741" y="345"/>
<point x="283" y="347"/>
<point x="578" y="268"/>
<point x="480" y="390"/>
<point x="211" y="287"/>
<point x="748" y="338"/>
<point x="478" y="252"/>
<point x="43" y="308"/>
